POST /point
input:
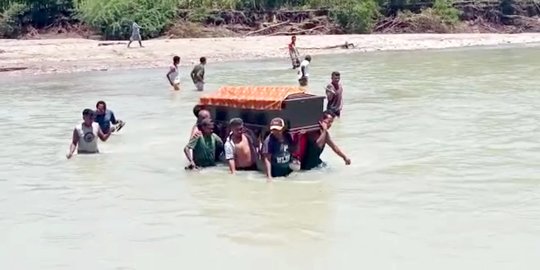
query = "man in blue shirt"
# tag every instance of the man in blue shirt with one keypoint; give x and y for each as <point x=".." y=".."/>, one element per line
<point x="105" y="117"/>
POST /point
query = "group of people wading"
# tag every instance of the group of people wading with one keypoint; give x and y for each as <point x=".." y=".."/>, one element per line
<point x="277" y="155"/>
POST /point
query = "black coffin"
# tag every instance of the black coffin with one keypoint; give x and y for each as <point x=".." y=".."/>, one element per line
<point x="300" y="111"/>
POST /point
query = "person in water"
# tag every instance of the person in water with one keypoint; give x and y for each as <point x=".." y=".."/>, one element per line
<point x="197" y="74"/>
<point x="201" y="150"/>
<point x="85" y="135"/>
<point x="334" y="94"/>
<point x="201" y="115"/>
<point x="293" y="53"/>
<point x="174" y="75"/>
<point x="135" y="34"/>
<point x="105" y="117"/>
<point x="303" y="72"/>
<point x="277" y="150"/>
<point x="240" y="151"/>
<point x="311" y="145"/>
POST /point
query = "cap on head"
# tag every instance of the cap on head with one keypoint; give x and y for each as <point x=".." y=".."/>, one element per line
<point x="235" y="122"/>
<point x="89" y="112"/>
<point x="277" y="124"/>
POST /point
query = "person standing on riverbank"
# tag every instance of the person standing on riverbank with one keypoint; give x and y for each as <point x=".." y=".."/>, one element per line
<point x="293" y="53"/>
<point x="303" y="72"/>
<point x="135" y="34"/>
<point x="334" y="94"/>
<point x="197" y="74"/>
<point x="173" y="75"/>
<point x="85" y="135"/>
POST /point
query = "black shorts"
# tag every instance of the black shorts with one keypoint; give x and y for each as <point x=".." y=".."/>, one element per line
<point x="250" y="168"/>
<point x="303" y="81"/>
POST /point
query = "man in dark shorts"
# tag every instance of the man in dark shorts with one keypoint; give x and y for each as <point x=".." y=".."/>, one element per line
<point x="334" y="94"/>
<point x="312" y="144"/>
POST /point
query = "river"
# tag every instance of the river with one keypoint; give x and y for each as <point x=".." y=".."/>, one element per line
<point x="445" y="171"/>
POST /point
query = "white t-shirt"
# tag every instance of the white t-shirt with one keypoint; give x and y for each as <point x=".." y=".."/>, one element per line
<point x="304" y="64"/>
<point x="175" y="75"/>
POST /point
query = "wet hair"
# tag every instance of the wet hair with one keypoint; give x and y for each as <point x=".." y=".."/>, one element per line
<point x="204" y="123"/>
<point x="176" y="58"/>
<point x="86" y="112"/>
<point x="101" y="102"/>
<point x="336" y="73"/>
<point x="308" y="57"/>
<point x="202" y="59"/>
<point x="236" y="122"/>
<point x="328" y="113"/>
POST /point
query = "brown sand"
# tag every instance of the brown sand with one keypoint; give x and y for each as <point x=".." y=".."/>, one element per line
<point x="74" y="55"/>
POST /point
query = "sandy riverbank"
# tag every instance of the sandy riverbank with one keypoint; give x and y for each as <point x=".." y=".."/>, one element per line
<point x="74" y="55"/>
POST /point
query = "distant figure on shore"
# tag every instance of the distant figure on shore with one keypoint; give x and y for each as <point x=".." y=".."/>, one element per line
<point x="135" y="34"/>
<point x="197" y="74"/>
<point x="293" y="53"/>
<point x="173" y="75"/>
<point x="334" y="94"/>
<point x="105" y="117"/>
<point x="85" y="135"/>
<point x="303" y="72"/>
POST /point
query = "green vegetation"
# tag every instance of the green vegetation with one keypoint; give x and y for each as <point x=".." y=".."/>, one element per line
<point x="113" y="18"/>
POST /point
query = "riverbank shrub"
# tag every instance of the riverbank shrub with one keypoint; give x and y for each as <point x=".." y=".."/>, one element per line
<point x="446" y="11"/>
<point x="356" y="16"/>
<point x="113" y="18"/>
<point x="12" y="20"/>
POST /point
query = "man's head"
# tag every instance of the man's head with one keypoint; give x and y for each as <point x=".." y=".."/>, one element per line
<point x="308" y="58"/>
<point x="176" y="60"/>
<point x="206" y="126"/>
<point x="336" y="77"/>
<point x="203" y="60"/>
<point x="203" y="114"/>
<point x="277" y="125"/>
<point x="236" y="125"/>
<point x="328" y="118"/>
<point x="101" y="107"/>
<point x="293" y="39"/>
<point x="88" y="116"/>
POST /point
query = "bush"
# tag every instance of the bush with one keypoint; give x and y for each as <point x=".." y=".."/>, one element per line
<point x="114" y="17"/>
<point x="357" y="16"/>
<point x="448" y="14"/>
<point x="12" y="20"/>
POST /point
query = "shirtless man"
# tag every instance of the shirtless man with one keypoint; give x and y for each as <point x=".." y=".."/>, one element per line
<point x="240" y="151"/>
<point x="85" y="135"/>
<point x="173" y="75"/>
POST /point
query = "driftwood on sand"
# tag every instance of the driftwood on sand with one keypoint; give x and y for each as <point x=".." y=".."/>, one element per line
<point x="346" y="45"/>
<point x="7" y="69"/>
<point x="111" y="43"/>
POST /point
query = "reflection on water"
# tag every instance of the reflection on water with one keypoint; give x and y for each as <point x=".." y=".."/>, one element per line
<point x="445" y="172"/>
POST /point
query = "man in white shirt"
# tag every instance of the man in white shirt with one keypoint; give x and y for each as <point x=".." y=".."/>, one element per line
<point x="303" y="73"/>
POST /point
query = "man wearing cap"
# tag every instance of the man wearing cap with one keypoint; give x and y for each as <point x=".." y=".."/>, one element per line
<point x="240" y="151"/>
<point x="85" y="135"/>
<point x="277" y="150"/>
<point x="303" y="73"/>
<point x="201" y="150"/>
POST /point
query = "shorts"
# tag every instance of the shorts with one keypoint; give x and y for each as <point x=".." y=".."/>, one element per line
<point x="250" y="168"/>
<point x="135" y="37"/>
<point x="303" y="81"/>
<point x="199" y="86"/>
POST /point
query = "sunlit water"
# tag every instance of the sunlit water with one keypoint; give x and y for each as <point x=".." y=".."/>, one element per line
<point x="445" y="174"/>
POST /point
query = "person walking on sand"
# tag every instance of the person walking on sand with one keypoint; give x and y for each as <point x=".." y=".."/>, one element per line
<point x="85" y="135"/>
<point x="135" y="34"/>
<point x="293" y="53"/>
<point x="173" y="75"/>
<point x="334" y="94"/>
<point x="303" y="73"/>
<point x="197" y="74"/>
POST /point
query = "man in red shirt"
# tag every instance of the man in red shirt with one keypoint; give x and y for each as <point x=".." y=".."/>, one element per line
<point x="293" y="53"/>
